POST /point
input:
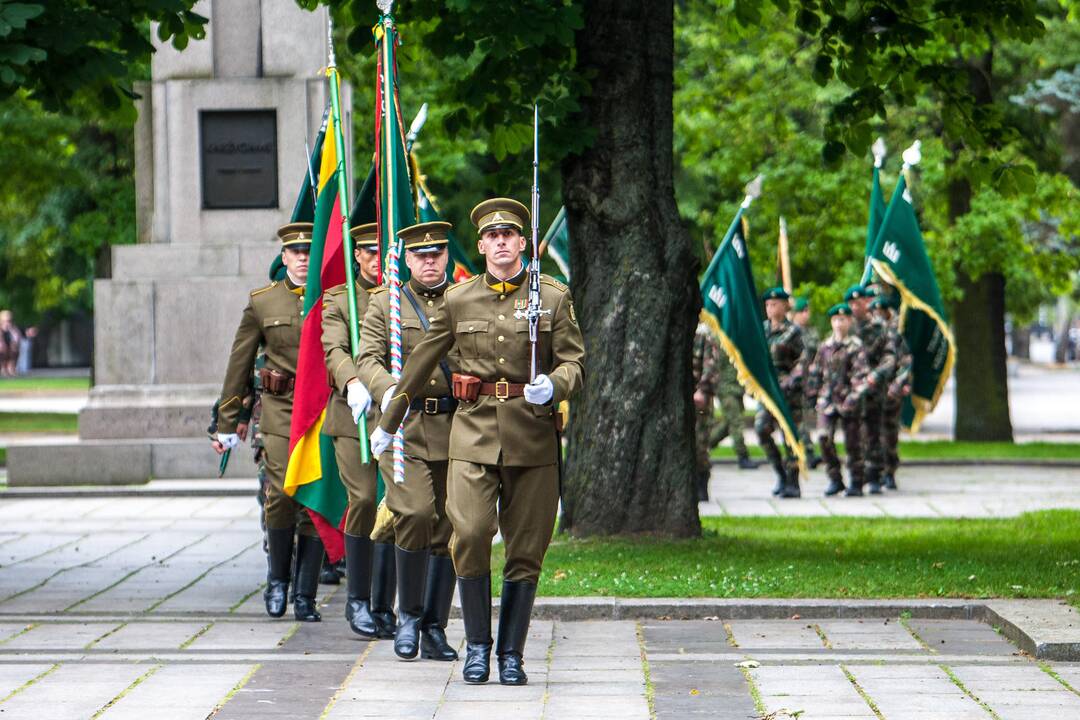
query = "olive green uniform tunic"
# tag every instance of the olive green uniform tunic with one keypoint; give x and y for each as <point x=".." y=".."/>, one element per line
<point x="418" y="504"/>
<point x="271" y="320"/>
<point x="503" y="473"/>
<point x="358" y="478"/>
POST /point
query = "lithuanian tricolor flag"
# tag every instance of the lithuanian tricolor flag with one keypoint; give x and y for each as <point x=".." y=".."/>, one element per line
<point x="312" y="476"/>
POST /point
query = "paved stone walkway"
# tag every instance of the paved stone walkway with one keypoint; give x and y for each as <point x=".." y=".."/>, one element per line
<point x="150" y="608"/>
<point x="925" y="491"/>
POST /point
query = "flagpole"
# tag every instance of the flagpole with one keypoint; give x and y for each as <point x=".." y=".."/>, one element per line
<point x="879" y="156"/>
<point x="388" y="215"/>
<point x="785" y="261"/>
<point x="346" y="236"/>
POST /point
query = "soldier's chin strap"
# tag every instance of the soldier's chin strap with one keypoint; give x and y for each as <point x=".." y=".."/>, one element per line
<point x="425" y="324"/>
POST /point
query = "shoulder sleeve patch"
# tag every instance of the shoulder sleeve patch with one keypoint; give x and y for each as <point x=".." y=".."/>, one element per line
<point x="264" y="289"/>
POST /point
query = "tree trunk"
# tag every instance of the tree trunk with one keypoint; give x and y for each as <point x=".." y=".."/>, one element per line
<point x="982" y="383"/>
<point x="630" y="463"/>
<point x="982" y="389"/>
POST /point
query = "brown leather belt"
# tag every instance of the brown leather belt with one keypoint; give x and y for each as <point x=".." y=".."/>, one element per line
<point x="502" y="390"/>
<point x="275" y="382"/>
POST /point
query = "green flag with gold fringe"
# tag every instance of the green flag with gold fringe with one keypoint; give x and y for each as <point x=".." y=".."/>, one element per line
<point x="899" y="258"/>
<point x="732" y="309"/>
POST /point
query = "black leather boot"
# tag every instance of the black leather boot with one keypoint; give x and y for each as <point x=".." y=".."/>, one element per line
<point x="437" y="596"/>
<point x="745" y="463"/>
<point x="836" y="485"/>
<point x="854" y="487"/>
<point x="475" y="595"/>
<point x="791" y="482"/>
<point x="309" y="553"/>
<point x="279" y="547"/>
<point x="358" y="582"/>
<point x="329" y="574"/>
<point x="515" y="611"/>
<point x="412" y="577"/>
<point x="383" y="589"/>
<point x="873" y="482"/>
<point x="781" y="480"/>
<point x="890" y="481"/>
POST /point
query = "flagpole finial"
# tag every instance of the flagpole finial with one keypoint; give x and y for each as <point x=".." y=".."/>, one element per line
<point x="878" y="149"/>
<point x="331" y="60"/>
<point x="753" y="190"/>
<point x="912" y="155"/>
<point x="417" y="124"/>
<point x="385" y="6"/>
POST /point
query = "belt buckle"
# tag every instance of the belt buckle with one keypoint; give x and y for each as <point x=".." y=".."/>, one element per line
<point x="431" y="406"/>
<point x="502" y="390"/>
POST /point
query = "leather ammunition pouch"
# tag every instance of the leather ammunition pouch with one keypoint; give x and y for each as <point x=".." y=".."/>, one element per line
<point x="466" y="388"/>
<point x="275" y="382"/>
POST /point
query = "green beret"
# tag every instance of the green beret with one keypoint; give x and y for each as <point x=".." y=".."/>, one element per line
<point x="854" y="292"/>
<point x="881" y="302"/>
<point x="801" y="304"/>
<point x="776" y="293"/>
<point x="840" y="309"/>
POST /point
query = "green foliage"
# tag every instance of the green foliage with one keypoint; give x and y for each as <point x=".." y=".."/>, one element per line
<point x="1032" y="555"/>
<point x="67" y="193"/>
<point x="86" y="51"/>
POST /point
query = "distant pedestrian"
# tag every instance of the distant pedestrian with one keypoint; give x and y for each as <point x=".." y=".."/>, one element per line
<point x="11" y="340"/>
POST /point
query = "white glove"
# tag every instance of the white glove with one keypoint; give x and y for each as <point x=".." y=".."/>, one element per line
<point x="359" y="400"/>
<point x="387" y="397"/>
<point x="228" y="440"/>
<point x="380" y="441"/>
<point x="540" y="391"/>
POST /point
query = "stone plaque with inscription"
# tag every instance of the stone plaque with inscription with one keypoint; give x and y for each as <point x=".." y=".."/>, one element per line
<point x="238" y="150"/>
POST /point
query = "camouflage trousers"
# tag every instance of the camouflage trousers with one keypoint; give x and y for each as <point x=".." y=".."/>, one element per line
<point x="851" y="426"/>
<point x="806" y="427"/>
<point x="765" y="426"/>
<point x="890" y="430"/>
<point x="704" y="422"/>
<point x="730" y="423"/>
<point x="872" y="410"/>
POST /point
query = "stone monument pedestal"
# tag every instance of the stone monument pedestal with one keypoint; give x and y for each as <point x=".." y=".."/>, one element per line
<point x="220" y="155"/>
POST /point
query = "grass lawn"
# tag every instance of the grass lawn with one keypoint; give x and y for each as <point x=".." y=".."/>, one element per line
<point x="949" y="450"/>
<point x="1034" y="555"/>
<point x="50" y="385"/>
<point x="38" y="422"/>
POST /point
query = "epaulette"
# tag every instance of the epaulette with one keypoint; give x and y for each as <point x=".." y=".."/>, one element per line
<point x="264" y="289"/>
<point x="376" y="291"/>
<point x="548" y="280"/>
<point x="463" y="283"/>
<point x="336" y="290"/>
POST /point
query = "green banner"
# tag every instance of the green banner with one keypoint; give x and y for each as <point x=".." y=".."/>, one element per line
<point x="732" y="308"/>
<point x="899" y="258"/>
<point x="557" y="242"/>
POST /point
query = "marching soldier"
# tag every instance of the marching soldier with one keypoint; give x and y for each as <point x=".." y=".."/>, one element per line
<point x="800" y="315"/>
<point x="899" y="388"/>
<point x="881" y="366"/>
<point x="503" y="474"/>
<point x="730" y="423"/>
<point x="705" y="361"/>
<point x="839" y="365"/>
<point x="425" y="571"/>
<point x="272" y="320"/>
<point x="365" y="609"/>
<point x="786" y="349"/>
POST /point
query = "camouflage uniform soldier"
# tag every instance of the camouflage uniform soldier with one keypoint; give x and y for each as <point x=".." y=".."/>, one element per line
<point x="839" y="365"/>
<point x="899" y="388"/>
<point x="730" y="423"/>
<point x="786" y="349"/>
<point x="272" y="320"/>
<point x="800" y="315"/>
<point x="503" y="474"/>
<point x="706" y="368"/>
<point x="881" y="362"/>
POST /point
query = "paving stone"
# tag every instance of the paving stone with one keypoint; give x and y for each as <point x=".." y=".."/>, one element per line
<point x="73" y="692"/>
<point x="14" y="676"/>
<point x="347" y="708"/>
<point x="59" y="636"/>
<point x="759" y="634"/>
<point x="868" y="635"/>
<point x="243" y="636"/>
<point x="597" y="706"/>
<point x="149" y="636"/>
<point x="494" y="710"/>
<point x="178" y="692"/>
<point x="961" y="637"/>
<point x="939" y="694"/>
